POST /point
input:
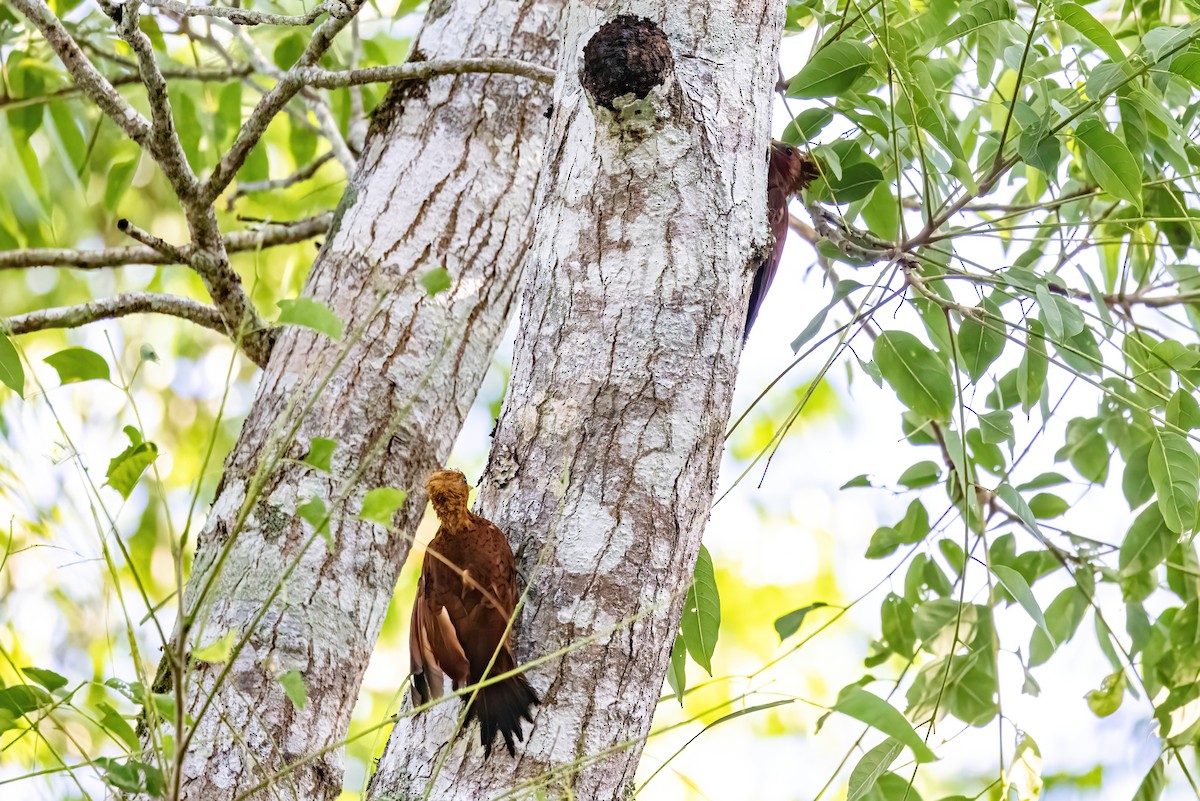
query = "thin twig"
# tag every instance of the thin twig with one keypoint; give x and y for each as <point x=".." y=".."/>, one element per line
<point x="269" y="236"/>
<point x="241" y="16"/>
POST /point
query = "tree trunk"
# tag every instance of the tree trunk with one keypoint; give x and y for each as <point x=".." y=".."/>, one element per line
<point x="651" y="220"/>
<point x="446" y="180"/>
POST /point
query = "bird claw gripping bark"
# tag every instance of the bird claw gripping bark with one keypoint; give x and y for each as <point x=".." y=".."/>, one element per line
<point x="466" y="598"/>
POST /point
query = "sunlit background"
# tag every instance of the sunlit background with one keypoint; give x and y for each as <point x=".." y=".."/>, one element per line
<point x="782" y="537"/>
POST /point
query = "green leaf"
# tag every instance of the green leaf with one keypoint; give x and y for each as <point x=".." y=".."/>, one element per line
<point x="1152" y="783"/>
<point x="996" y="427"/>
<point x="912" y="529"/>
<point x="78" y="364"/>
<point x="872" y="710"/>
<point x="228" y="119"/>
<point x="293" y="686"/>
<point x="790" y="623"/>
<point x="112" y="720"/>
<point x="921" y="474"/>
<point x="677" y="670"/>
<point x="289" y="50"/>
<point x="1031" y="372"/>
<point x="1106" y="700"/>
<point x="436" y="280"/>
<point x="311" y="314"/>
<point x="842" y="289"/>
<point x="320" y="453"/>
<point x="918" y="376"/>
<point x="977" y="15"/>
<point x="313" y="511"/>
<point x="831" y="70"/>
<point x="1175" y="470"/>
<point x="1015" y="502"/>
<point x="871" y="766"/>
<point x="131" y="776"/>
<point x="1086" y="449"/>
<point x="1044" y="480"/>
<point x="1146" y="544"/>
<point x="219" y="650"/>
<point x="980" y="340"/>
<point x="120" y="175"/>
<point x="380" y="504"/>
<point x="702" y="613"/>
<point x="1183" y="410"/>
<point x="1046" y="505"/>
<point x="127" y="467"/>
<point x="1078" y="18"/>
<point x="1113" y="166"/>
<point x="25" y="76"/>
<point x="1018" y="588"/>
<point x="11" y="371"/>
<point x="47" y="678"/>
<point x="21" y="699"/>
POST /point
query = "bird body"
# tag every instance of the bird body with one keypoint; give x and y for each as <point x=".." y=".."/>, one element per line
<point x="789" y="170"/>
<point x="466" y="595"/>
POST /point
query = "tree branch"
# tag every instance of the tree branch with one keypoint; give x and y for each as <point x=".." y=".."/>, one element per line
<point x="424" y="70"/>
<point x="240" y="16"/>
<point x="151" y="241"/>
<point x="184" y="74"/>
<point x="164" y="142"/>
<point x="269" y="236"/>
<point x="273" y="101"/>
<point x="270" y="185"/>
<point x="193" y="311"/>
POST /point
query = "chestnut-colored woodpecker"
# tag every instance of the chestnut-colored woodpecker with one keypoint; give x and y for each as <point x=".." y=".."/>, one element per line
<point x="465" y="597"/>
<point x="789" y="170"/>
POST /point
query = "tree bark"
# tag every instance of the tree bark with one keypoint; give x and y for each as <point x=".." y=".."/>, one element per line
<point x="651" y="221"/>
<point x="447" y="180"/>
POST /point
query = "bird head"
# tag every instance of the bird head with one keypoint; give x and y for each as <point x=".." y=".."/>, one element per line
<point x="448" y="492"/>
<point x="791" y="168"/>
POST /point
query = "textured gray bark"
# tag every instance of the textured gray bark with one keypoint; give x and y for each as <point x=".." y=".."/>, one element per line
<point x="446" y="180"/>
<point x="605" y="461"/>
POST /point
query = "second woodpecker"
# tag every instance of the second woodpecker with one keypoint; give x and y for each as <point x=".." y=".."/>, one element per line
<point x="789" y="170"/>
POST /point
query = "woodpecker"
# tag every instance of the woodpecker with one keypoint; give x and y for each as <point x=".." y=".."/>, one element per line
<point x="789" y="170"/>
<point x="466" y="595"/>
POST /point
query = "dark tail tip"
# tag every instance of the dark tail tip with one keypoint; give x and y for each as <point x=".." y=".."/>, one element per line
<point x="500" y="708"/>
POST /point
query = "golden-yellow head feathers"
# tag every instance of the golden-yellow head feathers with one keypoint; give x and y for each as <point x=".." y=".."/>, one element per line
<point x="449" y="494"/>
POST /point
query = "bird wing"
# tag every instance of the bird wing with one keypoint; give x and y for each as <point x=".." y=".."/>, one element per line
<point x="434" y="644"/>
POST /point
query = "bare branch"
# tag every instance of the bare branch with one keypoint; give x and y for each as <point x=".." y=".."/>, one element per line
<point x="151" y="241"/>
<point x="164" y="142"/>
<point x="86" y="77"/>
<point x="273" y="101"/>
<point x="240" y="16"/>
<point x="118" y="306"/>
<point x="269" y="236"/>
<point x="185" y="74"/>
<point x="423" y="71"/>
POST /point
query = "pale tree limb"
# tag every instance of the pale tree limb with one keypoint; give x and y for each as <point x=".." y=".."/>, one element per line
<point x="193" y="311"/>
<point x="357" y="130"/>
<point x="240" y="16"/>
<point x="183" y="74"/>
<point x="238" y="241"/>
<point x="423" y="71"/>
<point x="313" y="101"/>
